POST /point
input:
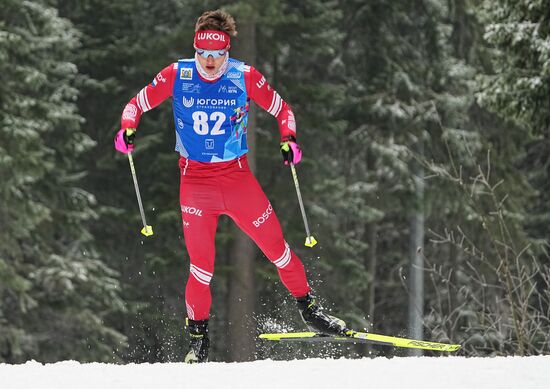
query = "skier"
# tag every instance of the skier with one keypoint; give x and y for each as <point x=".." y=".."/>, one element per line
<point x="210" y="95"/>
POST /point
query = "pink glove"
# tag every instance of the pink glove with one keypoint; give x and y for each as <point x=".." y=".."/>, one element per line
<point x="124" y="140"/>
<point x="292" y="153"/>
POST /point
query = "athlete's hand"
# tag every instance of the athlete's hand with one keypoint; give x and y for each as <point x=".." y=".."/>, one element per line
<point x="124" y="140"/>
<point x="292" y="153"/>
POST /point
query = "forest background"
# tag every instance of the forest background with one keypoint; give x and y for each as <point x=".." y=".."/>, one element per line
<point x="425" y="126"/>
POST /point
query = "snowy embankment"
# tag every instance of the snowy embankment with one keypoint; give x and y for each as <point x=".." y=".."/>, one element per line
<point x="383" y="373"/>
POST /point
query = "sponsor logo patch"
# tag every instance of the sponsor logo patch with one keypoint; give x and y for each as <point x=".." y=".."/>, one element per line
<point x="161" y="78"/>
<point x="209" y="144"/>
<point x="261" y="83"/>
<point x="186" y="73"/>
<point x="188" y="103"/>
<point x="291" y="121"/>
<point x="190" y="87"/>
<point x="215" y="102"/>
<point x="211" y="36"/>
<point x="180" y="124"/>
<point x="191" y="210"/>
<point x="227" y="89"/>
<point x="263" y="218"/>
<point x="130" y="112"/>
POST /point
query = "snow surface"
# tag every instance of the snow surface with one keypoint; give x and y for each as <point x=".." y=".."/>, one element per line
<point x="383" y="373"/>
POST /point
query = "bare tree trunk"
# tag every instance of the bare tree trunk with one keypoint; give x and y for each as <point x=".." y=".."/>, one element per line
<point x="242" y="293"/>
<point x="416" y="274"/>
<point x="370" y="263"/>
<point x="371" y="260"/>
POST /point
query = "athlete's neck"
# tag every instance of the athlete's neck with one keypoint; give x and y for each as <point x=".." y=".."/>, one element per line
<point x="212" y="77"/>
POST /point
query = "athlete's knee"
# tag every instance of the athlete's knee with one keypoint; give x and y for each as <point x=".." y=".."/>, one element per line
<point x="282" y="256"/>
<point x="201" y="274"/>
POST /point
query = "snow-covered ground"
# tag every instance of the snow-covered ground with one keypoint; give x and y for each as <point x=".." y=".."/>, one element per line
<point x="383" y="373"/>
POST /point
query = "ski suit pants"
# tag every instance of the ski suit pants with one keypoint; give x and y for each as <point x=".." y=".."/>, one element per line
<point x="208" y="190"/>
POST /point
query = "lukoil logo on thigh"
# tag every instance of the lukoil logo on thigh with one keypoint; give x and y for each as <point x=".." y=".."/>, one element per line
<point x="191" y="210"/>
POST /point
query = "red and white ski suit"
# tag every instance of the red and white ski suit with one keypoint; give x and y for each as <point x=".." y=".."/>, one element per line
<point x="211" y="189"/>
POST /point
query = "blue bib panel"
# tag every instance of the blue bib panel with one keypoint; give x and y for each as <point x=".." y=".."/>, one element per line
<point x="210" y="118"/>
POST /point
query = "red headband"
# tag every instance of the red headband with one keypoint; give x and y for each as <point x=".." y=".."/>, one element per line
<point x="211" y="40"/>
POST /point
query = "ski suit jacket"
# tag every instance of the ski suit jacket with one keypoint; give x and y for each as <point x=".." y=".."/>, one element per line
<point x="210" y="117"/>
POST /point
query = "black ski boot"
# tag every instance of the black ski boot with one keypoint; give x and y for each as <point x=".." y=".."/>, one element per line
<point x="199" y="342"/>
<point x="318" y="321"/>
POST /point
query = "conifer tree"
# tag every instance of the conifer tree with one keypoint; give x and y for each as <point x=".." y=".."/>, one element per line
<point x="55" y="289"/>
<point x="124" y="45"/>
<point x="518" y="88"/>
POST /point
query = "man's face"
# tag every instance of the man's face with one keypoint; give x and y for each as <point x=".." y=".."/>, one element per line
<point x="210" y="64"/>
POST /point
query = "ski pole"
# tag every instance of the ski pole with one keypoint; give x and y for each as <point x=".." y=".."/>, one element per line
<point x="310" y="240"/>
<point x="146" y="230"/>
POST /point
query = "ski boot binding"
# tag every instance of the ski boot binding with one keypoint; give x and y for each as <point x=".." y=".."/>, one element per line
<point x="318" y="321"/>
<point x="199" y="341"/>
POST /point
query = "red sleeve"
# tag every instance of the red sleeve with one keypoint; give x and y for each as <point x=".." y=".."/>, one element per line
<point x="149" y="97"/>
<point x="266" y="97"/>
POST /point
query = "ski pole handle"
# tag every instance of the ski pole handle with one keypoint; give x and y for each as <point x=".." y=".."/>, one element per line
<point x="310" y="240"/>
<point x="146" y="230"/>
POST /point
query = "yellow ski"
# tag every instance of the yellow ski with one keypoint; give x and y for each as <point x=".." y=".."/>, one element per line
<point x="361" y="337"/>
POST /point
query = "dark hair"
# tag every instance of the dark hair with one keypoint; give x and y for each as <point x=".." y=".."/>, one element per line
<point x="217" y="20"/>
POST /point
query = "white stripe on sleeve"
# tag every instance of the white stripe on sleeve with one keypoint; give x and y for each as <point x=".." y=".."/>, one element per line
<point x="138" y="101"/>
<point x="146" y="98"/>
<point x="142" y="100"/>
<point x="276" y="104"/>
